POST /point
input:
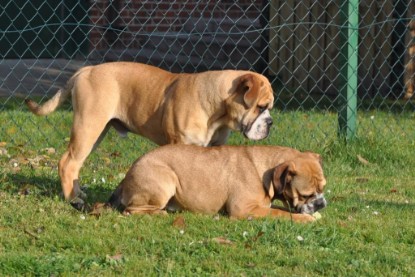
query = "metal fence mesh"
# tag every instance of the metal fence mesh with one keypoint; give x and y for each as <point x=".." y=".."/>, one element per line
<point x="296" y="44"/>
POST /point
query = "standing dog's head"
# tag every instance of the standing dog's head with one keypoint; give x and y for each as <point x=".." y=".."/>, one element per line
<point x="249" y="105"/>
<point x="299" y="183"/>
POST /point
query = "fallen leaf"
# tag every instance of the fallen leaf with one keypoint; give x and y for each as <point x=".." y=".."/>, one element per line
<point x="106" y="160"/>
<point x="40" y="229"/>
<point x="179" y="222"/>
<point x="362" y="160"/>
<point x="343" y="224"/>
<point x="116" y="257"/>
<point x="115" y="154"/>
<point x="30" y="233"/>
<point x="11" y="131"/>
<point x="3" y="143"/>
<point x="49" y="150"/>
<point x="393" y="190"/>
<point x="260" y="234"/>
<point x="362" y="180"/>
<point x="222" y="240"/>
<point x="98" y="209"/>
<point x="3" y="151"/>
<point x="26" y="189"/>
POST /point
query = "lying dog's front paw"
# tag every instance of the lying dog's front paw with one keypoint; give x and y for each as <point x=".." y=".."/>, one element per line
<point x="304" y="218"/>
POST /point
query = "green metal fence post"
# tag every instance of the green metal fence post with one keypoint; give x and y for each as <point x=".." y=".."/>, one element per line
<point x="349" y="40"/>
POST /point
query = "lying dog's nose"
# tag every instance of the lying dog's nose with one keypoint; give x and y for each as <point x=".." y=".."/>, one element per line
<point x="269" y="121"/>
<point x="314" y="205"/>
<point x="319" y="203"/>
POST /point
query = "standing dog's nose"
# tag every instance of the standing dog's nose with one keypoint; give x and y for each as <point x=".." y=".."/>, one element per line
<point x="269" y="121"/>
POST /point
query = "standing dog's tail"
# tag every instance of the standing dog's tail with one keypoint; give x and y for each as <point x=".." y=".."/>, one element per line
<point x="115" y="200"/>
<point x="52" y="104"/>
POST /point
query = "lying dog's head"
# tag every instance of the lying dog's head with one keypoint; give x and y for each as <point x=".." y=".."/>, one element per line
<point x="249" y="104"/>
<point x="299" y="183"/>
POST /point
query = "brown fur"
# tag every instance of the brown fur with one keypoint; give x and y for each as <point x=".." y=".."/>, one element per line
<point x="241" y="181"/>
<point x="167" y="108"/>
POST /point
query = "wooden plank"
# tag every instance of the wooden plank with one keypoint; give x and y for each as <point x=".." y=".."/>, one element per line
<point x="383" y="41"/>
<point x="316" y="42"/>
<point x="274" y="39"/>
<point x="367" y="46"/>
<point x="410" y="56"/>
<point x="300" y="52"/>
<point x="332" y="47"/>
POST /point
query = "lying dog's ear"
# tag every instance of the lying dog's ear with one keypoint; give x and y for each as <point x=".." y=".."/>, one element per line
<point x="283" y="175"/>
<point x="248" y="88"/>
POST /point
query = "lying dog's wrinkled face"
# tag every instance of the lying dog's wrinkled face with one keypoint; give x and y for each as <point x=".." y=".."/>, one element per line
<point x="300" y="183"/>
<point x="248" y="108"/>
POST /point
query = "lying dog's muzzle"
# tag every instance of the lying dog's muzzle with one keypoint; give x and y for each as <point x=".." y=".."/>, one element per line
<point x="318" y="203"/>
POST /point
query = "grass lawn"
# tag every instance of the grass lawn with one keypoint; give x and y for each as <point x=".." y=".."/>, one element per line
<point x="368" y="228"/>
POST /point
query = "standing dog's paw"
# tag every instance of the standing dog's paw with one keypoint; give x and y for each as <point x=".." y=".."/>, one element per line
<point x="79" y="204"/>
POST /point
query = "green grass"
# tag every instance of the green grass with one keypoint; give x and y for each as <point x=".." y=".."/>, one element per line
<point x="368" y="228"/>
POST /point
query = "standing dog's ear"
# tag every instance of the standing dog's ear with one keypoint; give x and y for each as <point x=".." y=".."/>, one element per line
<point x="283" y="175"/>
<point x="248" y="87"/>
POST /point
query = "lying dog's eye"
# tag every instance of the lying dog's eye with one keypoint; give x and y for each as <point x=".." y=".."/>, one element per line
<point x="306" y="197"/>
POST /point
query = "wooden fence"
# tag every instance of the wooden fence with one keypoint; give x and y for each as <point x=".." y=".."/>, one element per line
<point x="305" y="45"/>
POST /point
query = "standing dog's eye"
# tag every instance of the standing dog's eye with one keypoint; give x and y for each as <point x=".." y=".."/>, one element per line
<point x="262" y="108"/>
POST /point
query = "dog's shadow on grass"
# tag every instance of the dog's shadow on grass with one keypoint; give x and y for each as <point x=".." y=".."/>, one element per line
<point x="50" y="187"/>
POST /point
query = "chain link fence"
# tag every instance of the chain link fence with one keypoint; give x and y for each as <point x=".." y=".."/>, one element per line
<point x="298" y="45"/>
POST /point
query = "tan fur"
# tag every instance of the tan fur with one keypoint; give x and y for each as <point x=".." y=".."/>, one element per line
<point x="242" y="181"/>
<point x="167" y="108"/>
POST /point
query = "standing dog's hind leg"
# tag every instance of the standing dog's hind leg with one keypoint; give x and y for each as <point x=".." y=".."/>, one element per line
<point x="84" y="138"/>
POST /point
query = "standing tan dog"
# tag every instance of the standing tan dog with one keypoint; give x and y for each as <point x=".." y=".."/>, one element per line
<point x="167" y="108"/>
<point x="241" y="181"/>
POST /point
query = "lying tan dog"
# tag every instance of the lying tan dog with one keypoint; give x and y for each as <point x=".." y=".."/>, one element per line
<point x="241" y="181"/>
<point x="167" y="108"/>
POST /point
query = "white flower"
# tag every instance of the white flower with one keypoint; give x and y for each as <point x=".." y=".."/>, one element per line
<point x="372" y="117"/>
<point x="300" y="238"/>
<point x="82" y="217"/>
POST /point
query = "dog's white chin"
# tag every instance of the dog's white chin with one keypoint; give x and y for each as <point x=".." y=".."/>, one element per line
<point x="260" y="128"/>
